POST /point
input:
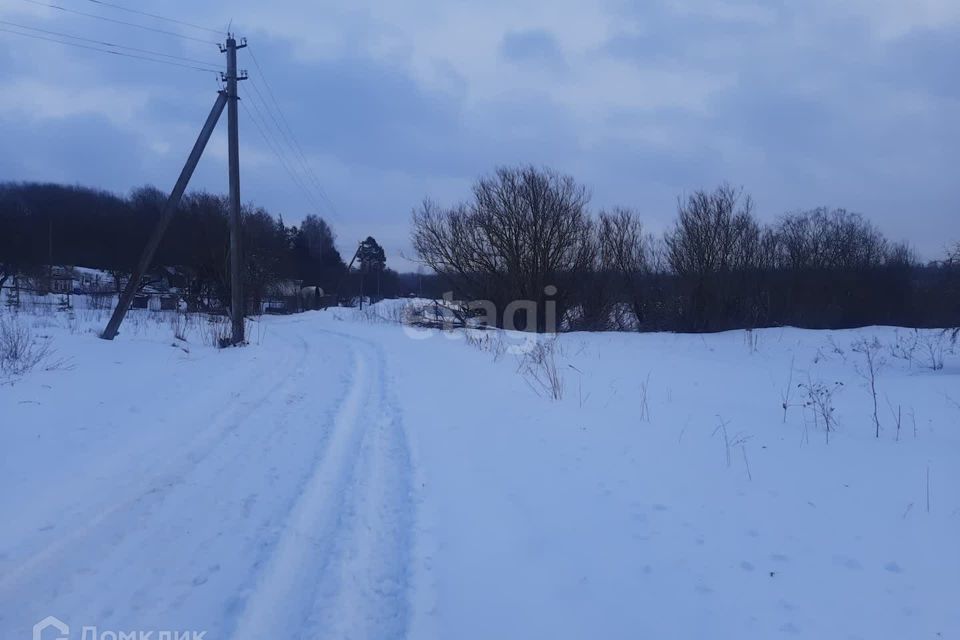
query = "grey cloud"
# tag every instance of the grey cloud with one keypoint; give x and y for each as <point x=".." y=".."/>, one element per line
<point x="820" y="112"/>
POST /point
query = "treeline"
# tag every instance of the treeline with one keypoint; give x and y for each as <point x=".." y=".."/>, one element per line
<point x="43" y="224"/>
<point x="525" y="234"/>
<point x="527" y="231"/>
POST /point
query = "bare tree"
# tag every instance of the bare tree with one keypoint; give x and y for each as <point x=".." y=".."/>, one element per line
<point x="627" y="252"/>
<point x="715" y="236"/>
<point x="837" y="239"/>
<point x="525" y="230"/>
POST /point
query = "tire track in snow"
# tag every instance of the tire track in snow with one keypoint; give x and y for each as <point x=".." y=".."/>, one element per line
<point x="369" y="580"/>
<point x="324" y="555"/>
<point x="158" y="485"/>
<point x="340" y="567"/>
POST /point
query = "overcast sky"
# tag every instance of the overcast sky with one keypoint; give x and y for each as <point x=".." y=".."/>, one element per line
<point x="850" y="103"/>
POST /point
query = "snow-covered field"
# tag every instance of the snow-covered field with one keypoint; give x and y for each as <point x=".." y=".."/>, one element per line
<point x="347" y="477"/>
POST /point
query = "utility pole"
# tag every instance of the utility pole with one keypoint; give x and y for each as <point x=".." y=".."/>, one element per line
<point x="226" y="98"/>
<point x="346" y="273"/>
<point x="237" y="300"/>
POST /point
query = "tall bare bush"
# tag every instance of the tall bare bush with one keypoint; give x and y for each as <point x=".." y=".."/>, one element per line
<point x="715" y="243"/>
<point x="627" y="254"/>
<point x="523" y="230"/>
<point x="20" y="350"/>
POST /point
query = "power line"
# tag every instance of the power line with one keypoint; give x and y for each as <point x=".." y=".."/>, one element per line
<point x="285" y="154"/>
<point x="309" y="178"/>
<point x="262" y="129"/>
<point x="277" y="150"/>
<point x="109" y="44"/>
<point x="289" y="158"/>
<point x="114" y="21"/>
<point x="299" y="150"/>
<point x="296" y="151"/>
<point x="156" y="16"/>
<point x="273" y="96"/>
<point x="283" y="135"/>
<point x="108" y="51"/>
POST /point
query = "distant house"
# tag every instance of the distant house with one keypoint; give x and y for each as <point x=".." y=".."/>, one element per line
<point x="156" y="297"/>
<point x="316" y="298"/>
<point x="173" y="279"/>
<point x="282" y="296"/>
<point x="92" y="281"/>
<point x="62" y="280"/>
<point x="164" y="289"/>
<point x="284" y="288"/>
<point x="165" y="302"/>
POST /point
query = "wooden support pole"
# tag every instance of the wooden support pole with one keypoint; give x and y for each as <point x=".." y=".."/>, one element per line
<point x="169" y="208"/>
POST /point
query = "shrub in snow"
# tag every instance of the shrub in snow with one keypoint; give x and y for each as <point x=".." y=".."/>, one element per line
<point x="927" y="348"/>
<point x="219" y="331"/>
<point x="873" y="361"/>
<point x="178" y="324"/>
<point x="904" y="347"/>
<point x="20" y="350"/>
<point x="819" y="400"/>
<point x="935" y="345"/>
<point x="490" y="341"/>
<point x="738" y="440"/>
<point x="539" y="369"/>
<point x="785" y="396"/>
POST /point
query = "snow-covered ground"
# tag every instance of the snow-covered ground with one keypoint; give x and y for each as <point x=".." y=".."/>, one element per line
<point x="346" y="477"/>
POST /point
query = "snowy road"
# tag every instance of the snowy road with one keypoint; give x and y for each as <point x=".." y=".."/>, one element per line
<point x="343" y="477"/>
<point x="278" y="506"/>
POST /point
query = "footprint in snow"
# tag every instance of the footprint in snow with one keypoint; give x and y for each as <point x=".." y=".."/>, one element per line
<point x="893" y="567"/>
